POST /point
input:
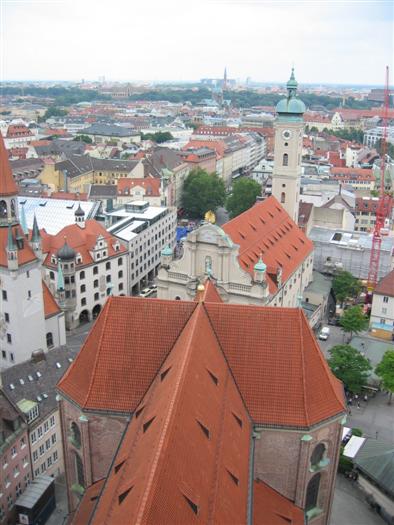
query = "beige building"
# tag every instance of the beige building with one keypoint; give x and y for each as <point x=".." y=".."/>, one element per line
<point x="382" y="313"/>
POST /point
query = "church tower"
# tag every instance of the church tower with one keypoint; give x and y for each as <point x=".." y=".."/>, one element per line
<point x="289" y="130"/>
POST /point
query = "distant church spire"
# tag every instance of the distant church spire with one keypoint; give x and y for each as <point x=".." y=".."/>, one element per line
<point x="23" y="221"/>
<point x="225" y="78"/>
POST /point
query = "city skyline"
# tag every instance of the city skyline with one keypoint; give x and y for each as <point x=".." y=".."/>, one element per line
<point x="331" y="43"/>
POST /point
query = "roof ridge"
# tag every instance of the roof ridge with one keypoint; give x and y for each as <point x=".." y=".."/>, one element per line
<point x="300" y="313"/>
<point x="99" y="345"/>
<point x="153" y="471"/>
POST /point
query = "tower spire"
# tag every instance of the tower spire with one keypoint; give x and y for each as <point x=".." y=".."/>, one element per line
<point x="23" y="221"/>
<point x="35" y="236"/>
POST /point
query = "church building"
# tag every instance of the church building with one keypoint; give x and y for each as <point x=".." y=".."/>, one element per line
<point x="30" y="319"/>
<point x="260" y="257"/>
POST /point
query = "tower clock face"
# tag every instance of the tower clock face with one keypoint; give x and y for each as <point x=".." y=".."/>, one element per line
<point x="286" y="134"/>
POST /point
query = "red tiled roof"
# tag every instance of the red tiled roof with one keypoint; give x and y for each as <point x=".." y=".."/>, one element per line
<point x="271" y="508"/>
<point x="210" y="293"/>
<point x="304" y="213"/>
<point x="83" y="512"/>
<point x="370" y="205"/>
<point x="7" y="183"/>
<point x="69" y="195"/>
<point x="50" y="305"/>
<point x="174" y="454"/>
<point x="386" y="285"/>
<point x="274" y="358"/>
<point x="150" y="184"/>
<point x="18" y="130"/>
<point x="25" y="255"/>
<point x="82" y="240"/>
<point x="354" y="173"/>
<point x="266" y="230"/>
<point x="218" y="146"/>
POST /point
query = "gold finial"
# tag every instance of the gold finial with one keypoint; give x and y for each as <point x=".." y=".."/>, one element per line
<point x="210" y="217"/>
<point x="200" y="288"/>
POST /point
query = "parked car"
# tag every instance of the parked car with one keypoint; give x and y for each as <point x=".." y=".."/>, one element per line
<point x="146" y="292"/>
<point x="324" y="333"/>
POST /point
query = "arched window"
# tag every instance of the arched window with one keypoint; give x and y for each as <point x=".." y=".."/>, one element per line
<point x="312" y="492"/>
<point x="75" y="435"/>
<point x="208" y="265"/>
<point x="13" y="212"/>
<point x="177" y="298"/>
<point x="285" y="159"/>
<point x="3" y="210"/>
<point x="283" y="197"/>
<point x="49" y="339"/>
<point x="80" y="477"/>
<point x="318" y="454"/>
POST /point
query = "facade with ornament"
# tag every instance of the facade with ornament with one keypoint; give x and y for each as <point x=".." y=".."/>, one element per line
<point x="30" y="318"/>
<point x="261" y="256"/>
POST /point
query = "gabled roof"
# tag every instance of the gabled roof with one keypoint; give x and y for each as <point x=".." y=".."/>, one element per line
<point x="274" y="358"/>
<point x="174" y="465"/>
<point x="386" y="285"/>
<point x="51" y="307"/>
<point x="81" y="240"/>
<point x="150" y="184"/>
<point x="25" y="254"/>
<point x="7" y="184"/>
<point x="267" y="230"/>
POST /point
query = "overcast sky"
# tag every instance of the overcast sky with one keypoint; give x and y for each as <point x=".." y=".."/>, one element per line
<point x="328" y="41"/>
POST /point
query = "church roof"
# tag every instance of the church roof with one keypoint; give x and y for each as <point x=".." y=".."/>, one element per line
<point x="282" y="375"/>
<point x="267" y="231"/>
<point x="271" y="508"/>
<point x="25" y="254"/>
<point x="7" y="184"/>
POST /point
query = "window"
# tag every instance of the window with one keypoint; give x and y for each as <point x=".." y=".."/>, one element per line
<point x="52" y="421"/>
<point x="75" y="435"/>
<point x="16" y="471"/>
<point x="95" y="270"/>
<point x="318" y="455"/>
<point x="23" y="442"/>
<point x="108" y="278"/>
<point x="82" y="275"/>
<point x="25" y="462"/>
<point x="5" y="462"/>
<point x="13" y="452"/>
<point x="83" y="288"/>
<point x="79" y="471"/>
<point x="283" y="197"/>
<point x="107" y="265"/>
<point x="29" y="294"/>
<point x="48" y="444"/>
<point x="9" y="338"/>
<point x="95" y="283"/>
<point x="120" y="260"/>
<point x="55" y="456"/>
<point x="43" y="467"/>
<point x="285" y="159"/>
<point x="33" y="437"/>
<point x="36" y="472"/>
<point x="42" y="450"/>
<point x="384" y="311"/>
<point x="35" y="456"/>
<point x="83" y="301"/>
<point x="120" y="274"/>
<point x="53" y="439"/>
<point x="120" y="287"/>
<point x="312" y="492"/>
<point x="96" y="296"/>
<point x="4" y="295"/>
<point x="39" y="432"/>
<point x="49" y="461"/>
<point x="52" y="275"/>
<point x="385" y="299"/>
<point x="50" y="340"/>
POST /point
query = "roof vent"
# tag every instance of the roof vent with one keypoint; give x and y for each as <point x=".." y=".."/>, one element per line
<point x="58" y="365"/>
<point x="238" y="420"/>
<point x="192" y="505"/>
<point x="21" y="381"/>
<point x="163" y="374"/>
<point x="139" y="411"/>
<point x="124" y="495"/>
<point x="12" y="386"/>
<point x="213" y="377"/>
<point x="147" y="424"/>
<point x="204" y="429"/>
<point x="233" y="477"/>
<point x="38" y="374"/>
<point x="119" y="466"/>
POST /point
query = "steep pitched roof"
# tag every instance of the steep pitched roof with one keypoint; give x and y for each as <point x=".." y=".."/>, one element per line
<point x="209" y="294"/>
<point x="271" y="508"/>
<point x="276" y="362"/>
<point x="7" y="183"/>
<point x="174" y="465"/>
<point x="25" y="254"/>
<point x="150" y="184"/>
<point x="386" y="285"/>
<point x="267" y="230"/>
<point x="51" y="307"/>
<point x="81" y="240"/>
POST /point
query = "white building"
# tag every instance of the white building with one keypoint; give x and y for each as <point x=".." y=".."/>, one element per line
<point x="145" y="230"/>
<point x="84" y="264"/>
<point x="30" y="319"/>
<point x="382" y="312"/>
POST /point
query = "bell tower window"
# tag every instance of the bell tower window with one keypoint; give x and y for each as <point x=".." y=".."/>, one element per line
<point x="283" y="197"/>
<point x="285" y="159"/>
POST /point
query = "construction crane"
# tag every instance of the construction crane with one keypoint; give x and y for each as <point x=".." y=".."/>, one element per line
<point x="385" y="200"/>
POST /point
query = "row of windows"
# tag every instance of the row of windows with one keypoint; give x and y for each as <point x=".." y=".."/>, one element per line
<point x="47" y="464"/>
<point x="10" y="354"/>
<point x="45" y="446"/>
<point x="14" y="452"/>
<point x="42" y="429"/>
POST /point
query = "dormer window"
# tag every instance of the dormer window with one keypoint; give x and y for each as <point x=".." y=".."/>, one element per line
<point x="53" y="259"/>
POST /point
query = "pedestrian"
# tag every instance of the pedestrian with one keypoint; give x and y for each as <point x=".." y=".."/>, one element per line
<point x="356" y="397"/>
<point x="366" y="398"/>
<point x="358" y="404"/>
<point x="350" y="400"/>
<point x="350" y="412"/>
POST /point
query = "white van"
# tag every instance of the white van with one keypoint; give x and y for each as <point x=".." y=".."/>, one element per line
<point x="324" y="333"/>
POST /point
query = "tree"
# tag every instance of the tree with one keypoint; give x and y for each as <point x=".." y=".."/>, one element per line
<point x="84" y="138"/>
<point x="345" y="285"/>
<point x="158" y="137"/>
<point x="243" y="196"/>
<point x="353" y="320"/>
<point x="202" y="191"/>
<point x="385" y="370"/>
<point x="54" y="111"/>
<point x="348" y="365"/>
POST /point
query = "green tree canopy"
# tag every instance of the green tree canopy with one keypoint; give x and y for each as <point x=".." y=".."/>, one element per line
<point x="84" y="138"/>
<point x="385" y="370"/>
<point x="243" y="196"/>
<point x="345" y="285"/>
<point x="353" y="320"/>
<point x="202" y="191"/>
<point x="348" y="365"/>
<point x="158" y="137"/>
<point x="54" y="111"/>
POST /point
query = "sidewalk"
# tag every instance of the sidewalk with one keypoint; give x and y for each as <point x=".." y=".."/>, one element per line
<point x="374" y="416"/>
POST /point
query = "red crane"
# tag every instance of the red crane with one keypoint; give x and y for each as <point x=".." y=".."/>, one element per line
<point x="385" y="200"/>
